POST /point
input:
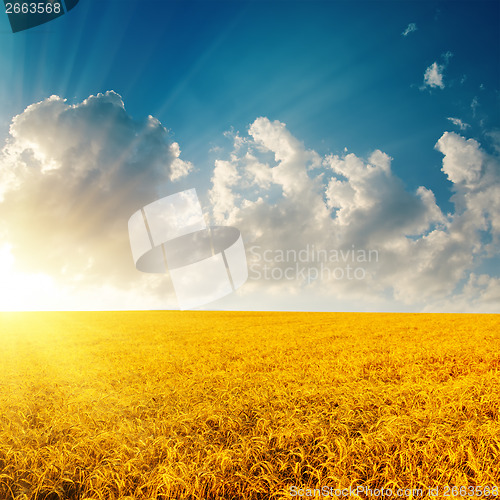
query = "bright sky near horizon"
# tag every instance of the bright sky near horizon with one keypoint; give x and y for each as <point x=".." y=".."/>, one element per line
<point x="355" y="145"/>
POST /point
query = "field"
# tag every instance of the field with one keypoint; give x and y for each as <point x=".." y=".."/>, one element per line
<point x="231" y="405"/>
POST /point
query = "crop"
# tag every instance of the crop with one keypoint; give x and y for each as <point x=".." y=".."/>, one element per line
<point x="246" y="405"/>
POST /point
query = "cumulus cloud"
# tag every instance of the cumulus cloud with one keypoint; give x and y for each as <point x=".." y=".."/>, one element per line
<point x="476" y="184"/>
<point x="71" y="176"/>
<point x="433" y="76"/>
<point x="463" y="159"/>
<point x="459" y="123"/>
<point x="441" y="259"/>
<point x="412" y="27"/>
<point x="270" y="189"/>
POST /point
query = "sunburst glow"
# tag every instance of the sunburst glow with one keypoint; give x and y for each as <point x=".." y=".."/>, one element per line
<point x="20" y="291"/>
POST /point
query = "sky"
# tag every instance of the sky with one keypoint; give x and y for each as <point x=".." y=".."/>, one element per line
<point x="365" y="134"/>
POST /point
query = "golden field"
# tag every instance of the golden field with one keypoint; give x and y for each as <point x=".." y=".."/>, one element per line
<point x="233" y="405"/>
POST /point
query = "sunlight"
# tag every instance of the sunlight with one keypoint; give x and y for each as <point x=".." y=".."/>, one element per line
<point x="20" y="291"/>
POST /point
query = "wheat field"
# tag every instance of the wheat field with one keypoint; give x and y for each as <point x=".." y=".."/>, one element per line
<point x="248" y="405"/>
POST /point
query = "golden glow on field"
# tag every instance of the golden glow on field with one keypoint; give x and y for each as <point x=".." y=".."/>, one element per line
<point x="244" y="405"/>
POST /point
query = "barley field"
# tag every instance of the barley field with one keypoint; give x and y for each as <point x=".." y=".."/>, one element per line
<point x="248" y="405"/>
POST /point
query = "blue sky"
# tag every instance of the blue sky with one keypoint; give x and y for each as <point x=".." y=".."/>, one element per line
<point x="339" y="74"/>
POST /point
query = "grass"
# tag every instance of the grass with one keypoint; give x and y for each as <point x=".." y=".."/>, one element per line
<point x="233" y="405"/>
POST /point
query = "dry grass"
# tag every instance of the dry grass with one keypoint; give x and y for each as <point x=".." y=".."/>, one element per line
<point x="202" y="405"/>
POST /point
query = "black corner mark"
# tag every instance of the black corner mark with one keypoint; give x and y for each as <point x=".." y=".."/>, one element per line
<point x="26" y="14"/>
<point x="70" y="4"/>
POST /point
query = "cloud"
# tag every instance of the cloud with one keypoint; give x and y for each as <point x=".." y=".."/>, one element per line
<point x="459" y="123"/>
<point x="494" y="136"/>
<point x="447" y="56"/>
<point x="372" y="205"/>
<point x="433" y="76"/>
<point x="476" y="183"/>
<point x="462" y="161"/>
<point x="474" y="105"/>
<point x="480" y="294"/>
<point x="273" y="192"/>
<point x="412" y="27"/>
<point x="449" y="254"/>
<point x="71" y="176"/>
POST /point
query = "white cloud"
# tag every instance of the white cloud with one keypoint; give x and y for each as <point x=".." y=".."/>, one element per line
<point x="71" y="176"/>
<point x="433" y="76"/>
<point x="412" y="27"/>
<point x="474" y="105"/>
<point x="358" y="204"/>
<point x="463" y="159"/>
<point x="372" y="205"/>
<point x="222" y="197"/>
<point x="494" y="136"/>
<point x="179" y="168"/>
<point x="459" y="123"/>
<point x="476" y="182"/>
<point x="480" y="294"/>
<point x="257" y="172"/>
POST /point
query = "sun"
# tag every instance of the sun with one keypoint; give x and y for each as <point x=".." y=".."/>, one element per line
<point x="21" y="291"/>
